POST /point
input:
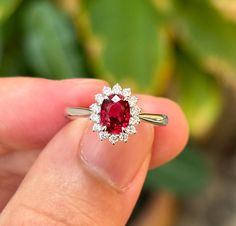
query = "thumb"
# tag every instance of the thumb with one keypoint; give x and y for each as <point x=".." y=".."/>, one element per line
<point x="80" y="180"/>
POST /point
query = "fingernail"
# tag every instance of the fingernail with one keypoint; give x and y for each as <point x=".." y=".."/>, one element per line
<point x="118" y="164"/>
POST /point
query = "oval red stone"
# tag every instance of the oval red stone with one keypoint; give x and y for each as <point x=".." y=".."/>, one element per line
<point x="115" y="113"/>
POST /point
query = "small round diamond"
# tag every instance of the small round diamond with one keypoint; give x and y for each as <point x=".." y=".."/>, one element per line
<point x="104" y="135"/>
<point x="124" y="137"/>
<point x="95" y="108"/>
<point x="99" y="98"/>
<point x="95" y="118"/>
<point x="126" y="92"/>
<point x="113" y="138"/>
<point x="117" y="89"/>
<point x="134" y="120"/>
<point x="107" y="90"/>
<point x="130" y="130"/>
<point x="133" y="101"/>
<point x="97" y="127"/>
<point x="135" y="110"/>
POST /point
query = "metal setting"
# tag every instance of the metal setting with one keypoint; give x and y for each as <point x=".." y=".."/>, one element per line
<point x="76" y="112"/>
<point x="155" y="119"/>
<point x="93" y="112"/>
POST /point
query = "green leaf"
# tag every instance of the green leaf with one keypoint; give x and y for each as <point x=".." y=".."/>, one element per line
<point x="204" y="31"/>
<point x="50" y="42"/>
<point x="133" y="45"/>
<point x="12" y="60"/>
<point x="1" y="46"/>
<point x="199" y="95"/>
<point x="12" y="63"/>
<point x="184" y="175"/>
<point x="7" y="7"/>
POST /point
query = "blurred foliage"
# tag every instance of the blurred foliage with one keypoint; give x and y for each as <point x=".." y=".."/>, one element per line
<point x="198" y="93"/>
<point x="7" y="8"/>
<point x="185" y="175"/>
<point x="49" y="42"/>
<point x="135" y="39"/>
<point x="204" y="31"/>
<point x="161" y="47"/>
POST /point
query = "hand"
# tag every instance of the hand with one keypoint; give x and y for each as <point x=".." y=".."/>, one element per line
<point x="70" y="176"/>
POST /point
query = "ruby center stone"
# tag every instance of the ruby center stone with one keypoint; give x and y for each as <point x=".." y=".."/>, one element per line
<point x="115" y="113"/>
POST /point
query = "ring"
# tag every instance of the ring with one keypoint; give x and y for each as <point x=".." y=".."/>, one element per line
<point x="115" y="114"/>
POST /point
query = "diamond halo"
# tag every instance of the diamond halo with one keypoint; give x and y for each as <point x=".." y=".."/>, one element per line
<point x="115" y="94"/>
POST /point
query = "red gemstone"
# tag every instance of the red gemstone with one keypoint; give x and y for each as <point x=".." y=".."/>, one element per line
<point x="115" y="113"/>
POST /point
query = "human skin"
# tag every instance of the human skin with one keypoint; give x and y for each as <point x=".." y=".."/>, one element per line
<point x="57" y="172"/>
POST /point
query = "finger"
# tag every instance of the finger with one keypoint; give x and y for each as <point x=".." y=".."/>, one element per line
<point x="41" y="117"/>
<point x="171" y="139"/>
<point x="13" y="167"/>
<point x="32" y="110"/>
<point x="79" y="180"/>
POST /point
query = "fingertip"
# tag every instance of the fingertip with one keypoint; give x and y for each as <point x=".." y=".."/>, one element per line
<point x="169" y="140"/>
<point x="39" y="105"/>
<point x="117" y="163"/>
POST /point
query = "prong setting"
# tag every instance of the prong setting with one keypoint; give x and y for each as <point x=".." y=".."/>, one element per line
<point x="134" y="113"/>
